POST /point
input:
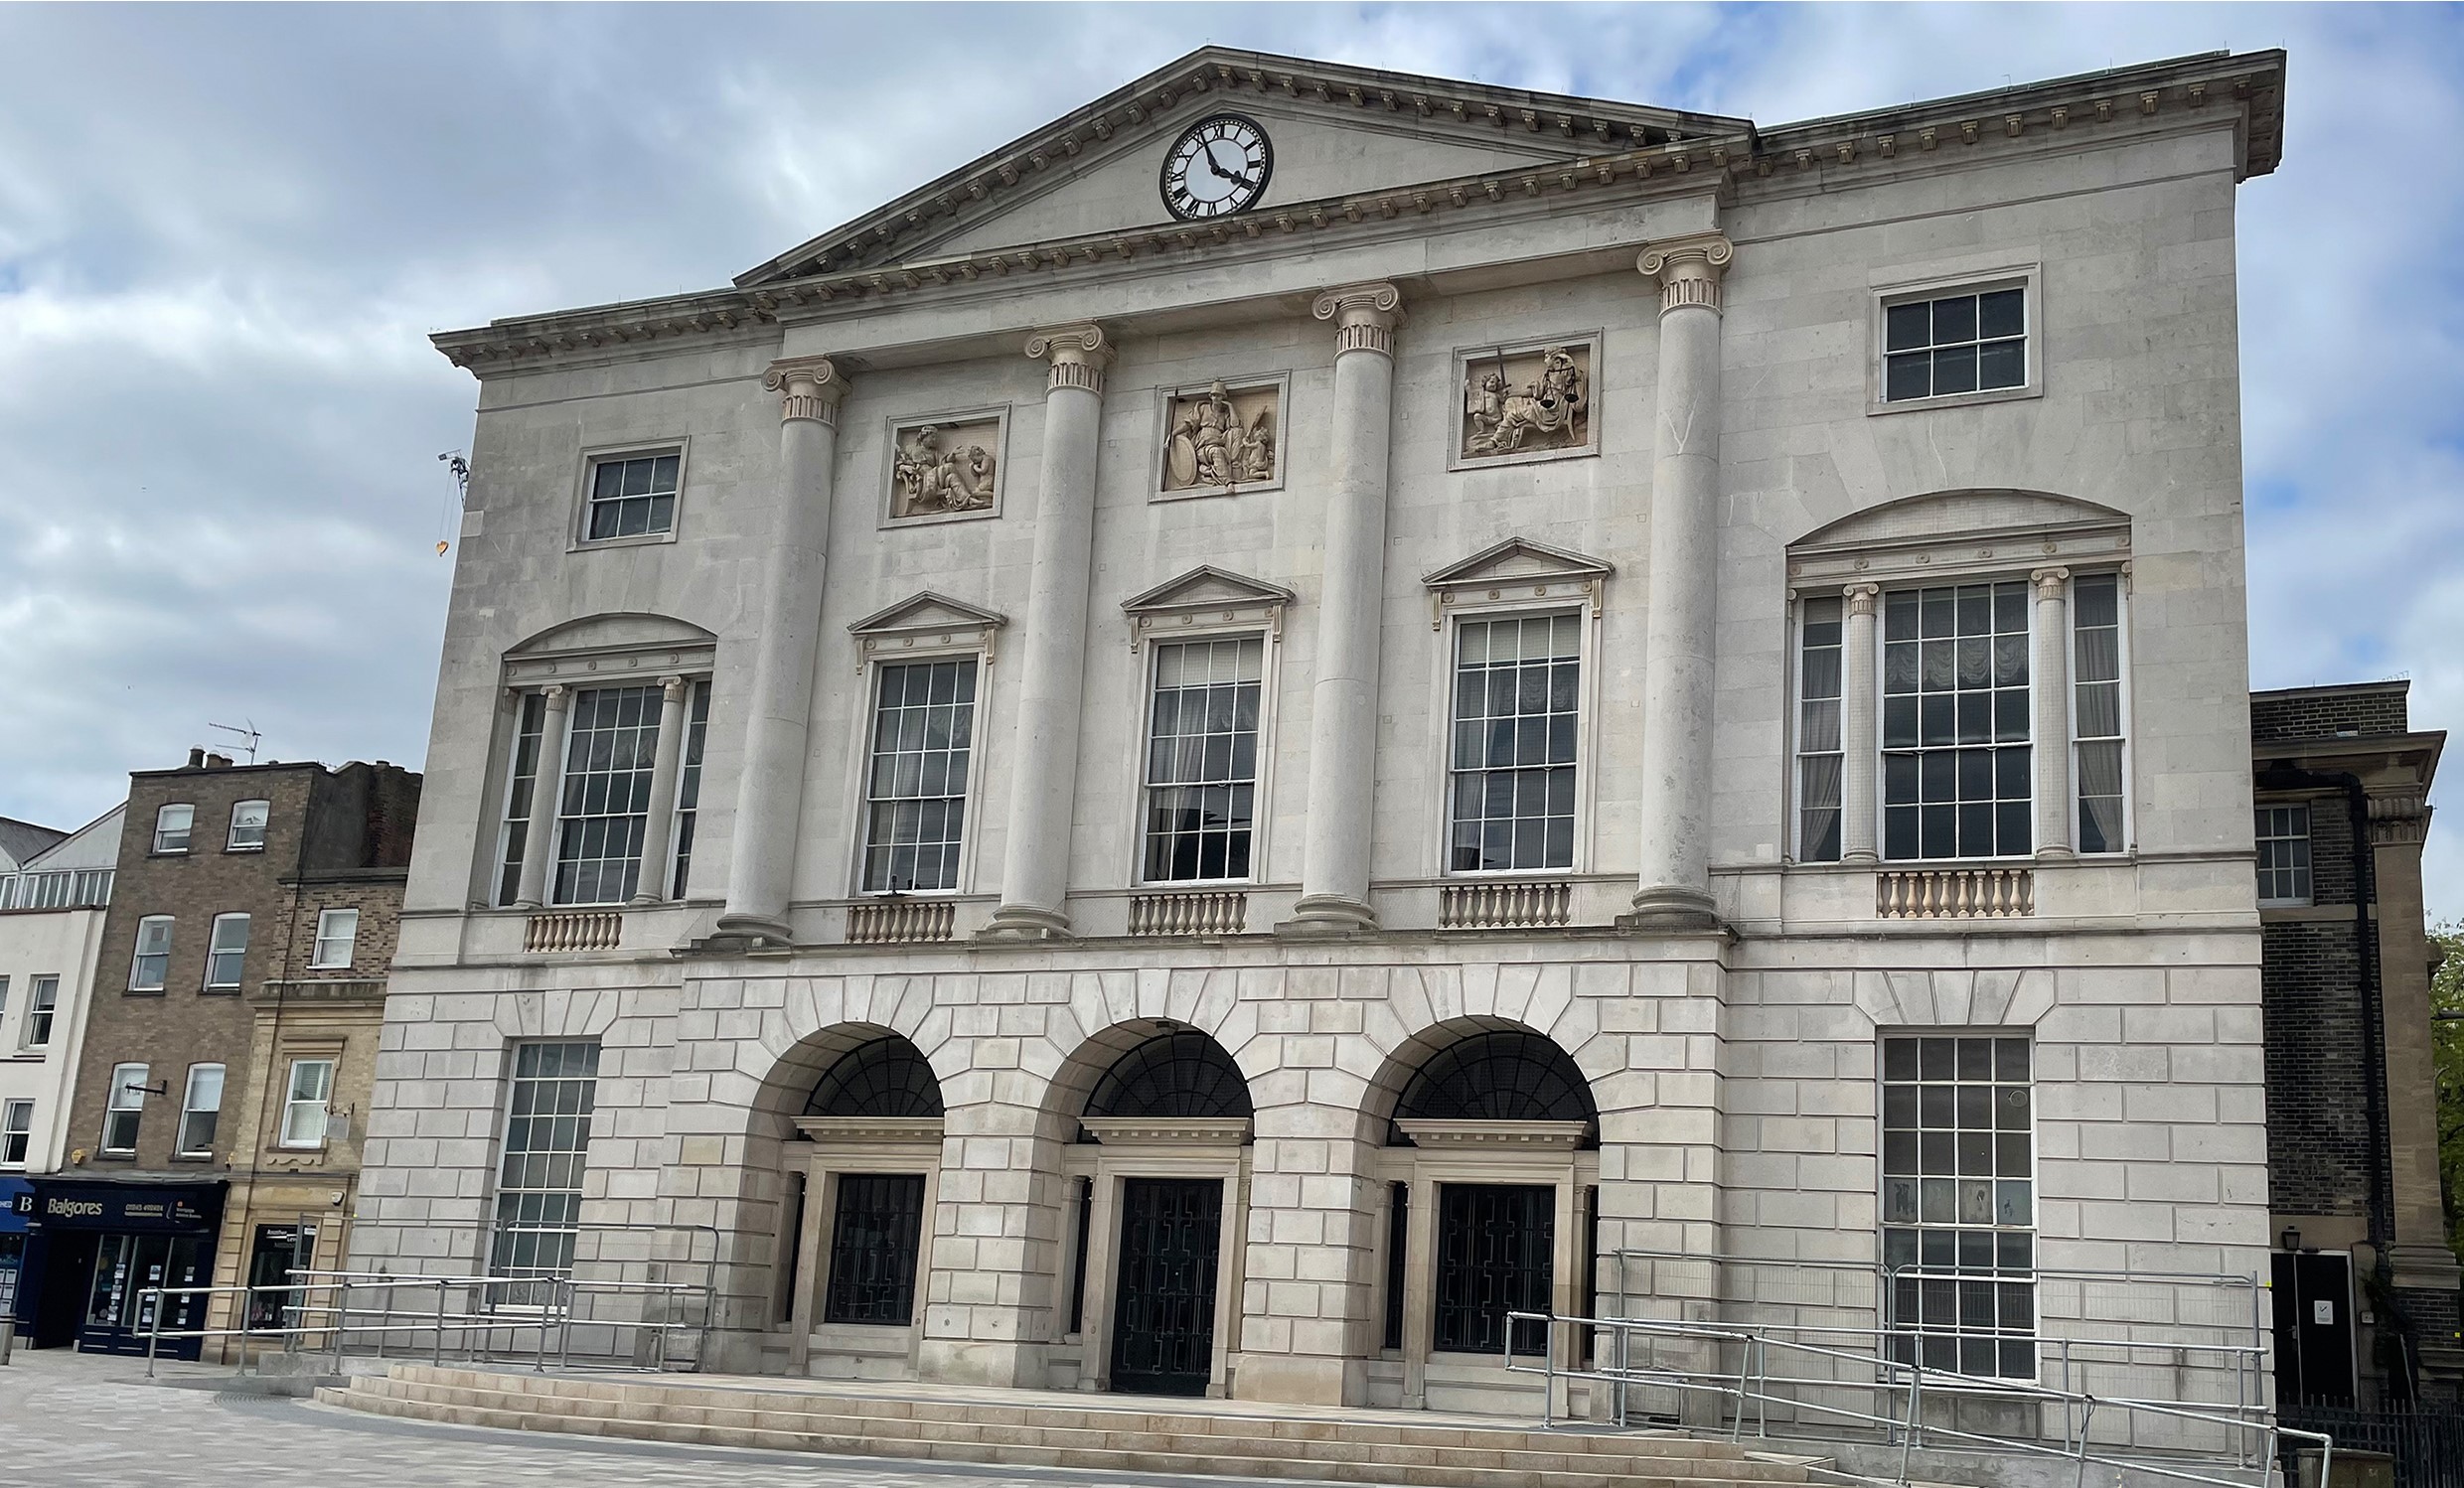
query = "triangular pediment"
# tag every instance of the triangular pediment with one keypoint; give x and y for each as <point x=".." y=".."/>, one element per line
<point x="1519" y="560"/>
<point x="1206" y="588"/>
<point x="928" y="613"/>
<point x="1335" y="131"/>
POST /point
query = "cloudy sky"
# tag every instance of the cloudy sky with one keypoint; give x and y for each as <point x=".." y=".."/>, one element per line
<point x="226" y="232"/>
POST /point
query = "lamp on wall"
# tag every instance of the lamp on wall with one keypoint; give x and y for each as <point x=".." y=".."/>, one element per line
<point x="2291" y="1239"/>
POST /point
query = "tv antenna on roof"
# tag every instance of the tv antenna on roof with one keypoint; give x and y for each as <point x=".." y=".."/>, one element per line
<point x="248" y="733"/>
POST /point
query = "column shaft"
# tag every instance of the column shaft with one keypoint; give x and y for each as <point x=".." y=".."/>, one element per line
<point x="649" y="884"/>
<point x="1859" y="702"/>
<point x="1678" y="679"/>
<point x="761" y="860"/>
<point x="2051" y="663"/>
<point x="538" y="840"/>
<point x="1043" y="782"/>
<point x="1335" y="871"/>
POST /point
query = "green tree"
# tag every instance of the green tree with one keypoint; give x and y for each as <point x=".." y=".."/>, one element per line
<point x="2447" y="1037"/>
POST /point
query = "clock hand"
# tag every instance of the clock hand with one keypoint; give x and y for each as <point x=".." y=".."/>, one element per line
<point x="1207" y="154"/>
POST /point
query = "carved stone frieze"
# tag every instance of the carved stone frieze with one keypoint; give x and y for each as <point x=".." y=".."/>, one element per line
<point x="1526" y="403"/>
<point x="1222" y="438"/>
<point x="946" y="468"/>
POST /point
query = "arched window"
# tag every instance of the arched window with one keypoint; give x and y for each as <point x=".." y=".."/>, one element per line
<point x="885" y="1077"/>
<point x="1183" y="1074"/>
<point x="1504" y="1076"/>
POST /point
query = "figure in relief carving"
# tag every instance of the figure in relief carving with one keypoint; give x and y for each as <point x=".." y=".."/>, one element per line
<point x="1547" y="415"/>
<point x="1213" y="446"/>
<point x="927" y="480"/>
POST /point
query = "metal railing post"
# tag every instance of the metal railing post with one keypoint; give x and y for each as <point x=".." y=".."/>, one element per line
<point x="564" y="1325"/>
<point x="341" y="1309"/>
<point x="2087" y="1419"/>
<point x="440" y="1355"/>
<point x="153" y="1327"/>
<point x="1916" y="1401"/>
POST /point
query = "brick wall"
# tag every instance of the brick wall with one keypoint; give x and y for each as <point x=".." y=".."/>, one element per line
<point x="2323" y="712"/>
<point x="2318" y="1121"/>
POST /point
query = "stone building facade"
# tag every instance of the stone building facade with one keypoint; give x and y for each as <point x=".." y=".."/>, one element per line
<point x="2365" y="1285"/>
<point x="252" y="918"/>
<point x="1513" y="689"/>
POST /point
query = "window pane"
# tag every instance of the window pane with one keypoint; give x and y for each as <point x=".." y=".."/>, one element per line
<point x="922" y="732"/>
<point x="2001" y="363"/>
<point x="1908" y="327"/>
<point x="1957" y="1201"/>
<point x="1908" y="374"/>
<point x="1954" y="320"/>
<point x="2003" y="313"/>
<point x="539" y="1191"/>
<point x="1516" y="704"/>
<point x="1954" y="370"/>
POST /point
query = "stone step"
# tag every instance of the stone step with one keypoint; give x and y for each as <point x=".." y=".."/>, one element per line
<point x="1541" y="1454"/>
<point x="1080" y="1459"/>
<point x="1132" y="1417"/>
<point x="1443" y="1455"/>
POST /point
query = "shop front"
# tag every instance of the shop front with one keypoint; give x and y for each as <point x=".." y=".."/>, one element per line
<point x="12" y="1244"/>
<point x="93" y="1252"/>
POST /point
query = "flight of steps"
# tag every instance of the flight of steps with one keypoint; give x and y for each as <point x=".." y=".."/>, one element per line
<point x="1147" y="1436"/>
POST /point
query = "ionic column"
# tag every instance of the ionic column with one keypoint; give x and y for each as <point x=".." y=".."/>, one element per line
<point x="1675" y="888"/>
<point x="539" y="838"/>
<point x="1043" y="783"/>
<point x="1859" y="702"/>
<point x="761" y="861"/>
<point x="1334" y="863"/>
<point x="650" y="885"/>
<point x="2051" y="663"/>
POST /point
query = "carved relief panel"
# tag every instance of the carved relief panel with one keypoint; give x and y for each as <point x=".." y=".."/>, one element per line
<point x="1530" y="401"/>
<point x="947" y="467"/>
<point x="1221" y="438"/>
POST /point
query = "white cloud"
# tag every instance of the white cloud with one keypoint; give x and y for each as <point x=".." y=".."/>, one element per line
<point x="224" y="235"/>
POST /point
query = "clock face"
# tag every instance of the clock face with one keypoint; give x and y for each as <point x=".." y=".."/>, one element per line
<point x="1217" y="166"/>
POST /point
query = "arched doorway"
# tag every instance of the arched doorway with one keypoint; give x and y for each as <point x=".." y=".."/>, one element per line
<point x="1490" y="1169"/>
<point x="1159" y="1176"/>
<point x="867" y="1173"/>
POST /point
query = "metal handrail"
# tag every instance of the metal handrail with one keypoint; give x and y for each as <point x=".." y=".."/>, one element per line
<point x="320" y="1302"/>
<point x="1751" y="1388"/>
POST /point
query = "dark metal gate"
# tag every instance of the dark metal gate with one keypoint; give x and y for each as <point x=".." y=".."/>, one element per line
<point x="1497" y="1248"/>
<point x="872" y="1248"/>
<point x="1163" y="1312"/>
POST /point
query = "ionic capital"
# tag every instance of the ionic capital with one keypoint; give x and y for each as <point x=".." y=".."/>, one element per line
<point x="554" y="694"/>
<point x="672" y="688"/>
<point x="808" y="388"/>
<point x="1078" y="355"/>
<point x="1688" y="269"/>
<point x="2049" y="582"/>
<point x="1863" y="599"/>
<point x="1364" y="315"/>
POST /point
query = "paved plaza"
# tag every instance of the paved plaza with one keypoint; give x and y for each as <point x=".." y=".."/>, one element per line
<point x="83" y="1420"/>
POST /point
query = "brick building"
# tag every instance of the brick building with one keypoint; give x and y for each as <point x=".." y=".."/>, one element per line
<point x="229" y="1040"/>
<point x="2365" y="1285"/>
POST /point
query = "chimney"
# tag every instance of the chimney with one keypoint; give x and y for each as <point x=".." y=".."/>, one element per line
<point x="196" y="759"/>
<point x="218" y="762"/>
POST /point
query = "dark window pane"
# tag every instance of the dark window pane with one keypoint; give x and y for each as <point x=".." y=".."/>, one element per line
<point x="2001" y="363"/>
<point x="1908" y="327"/>
<point x="1898" y="723"/>
<point x="2004" y="312"/>
<point x="1954" y="320"/>
<point x="1955" y="371"/>
<point x="1899" y="833"/>
<point x="1908" y="374"/>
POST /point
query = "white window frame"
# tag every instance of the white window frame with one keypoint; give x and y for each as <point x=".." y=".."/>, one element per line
<point x="163" y="831"/>
<point x="319" y="958"/>
<point x="1793" y="773"/>
<point x="128" y="1081"/>
<point x="16" y="1133"/>
<point x="216" y="951"/>
<point x="974" y="643"/>
<point x="2129" y="740"/>
<point x="1882" y="724"/>
<point x="2035" y="1181"/>
<point x="645" y="449"/>
<point x="859" y="798"/>
<point x="1585" y="612"/>
<point x="509" y="755"/>
<point x="2309" y="873"/>
<point x="137" y="958"/>
<point x="1901" y="286"/>
<point x="265" y="812"/>
<point x="1261" y="780"/>
<point x="295" y="1105"/>
<point x="495" y="1261"/>
<point x="190" y="1111"/>
<point x="42" y="1002"/>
